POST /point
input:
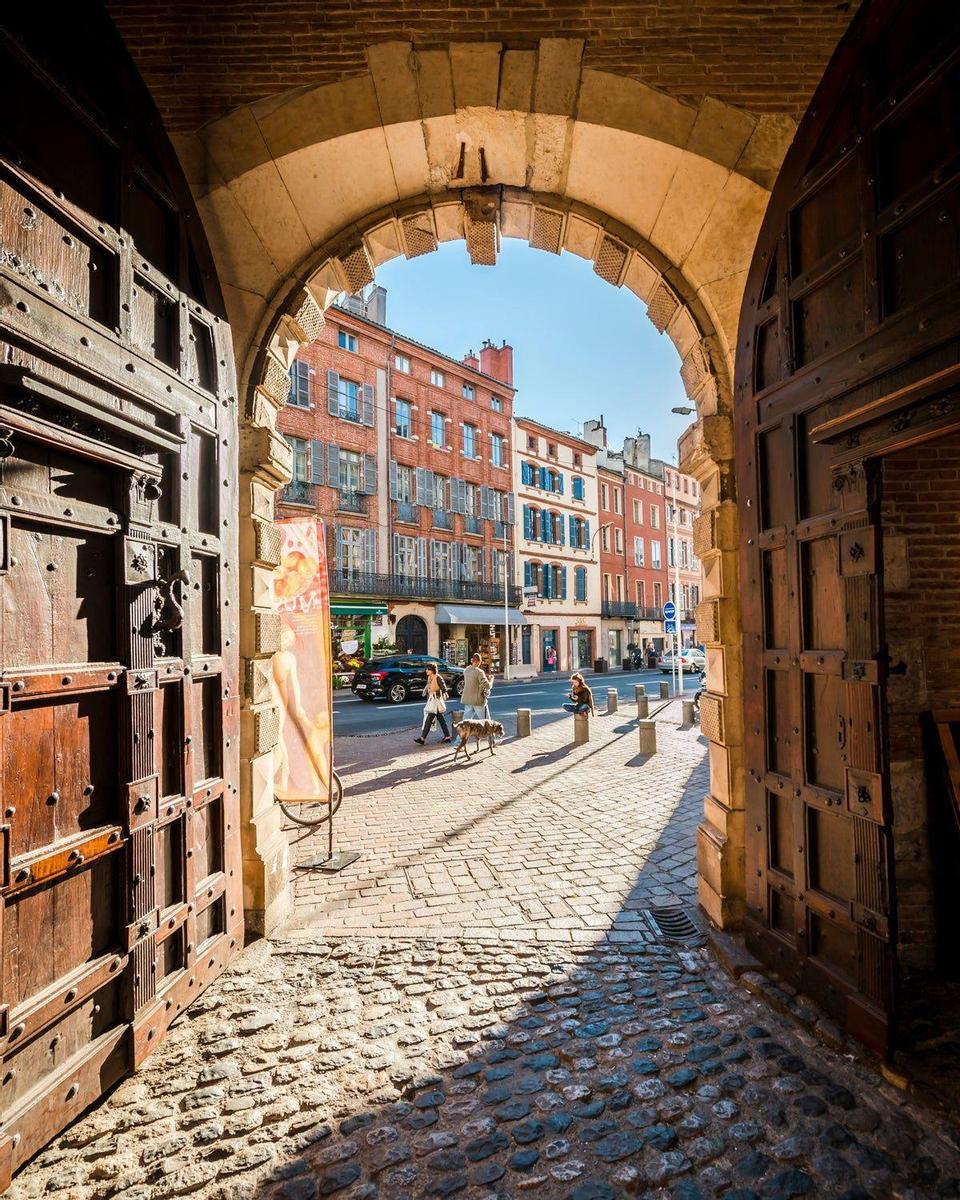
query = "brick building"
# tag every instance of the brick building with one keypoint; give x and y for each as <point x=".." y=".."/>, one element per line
<point x="406" y="455"/>
<point x="682" y="503"/>
<point x="555" y="477"/>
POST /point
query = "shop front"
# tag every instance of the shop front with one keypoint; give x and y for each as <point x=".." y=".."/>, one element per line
<point x="581" y="649"/>
<point x="468" y="629"/>
<point x="355" y="628"/>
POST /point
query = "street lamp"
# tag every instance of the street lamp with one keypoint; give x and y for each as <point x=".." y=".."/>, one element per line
<point x="683" y="411"/>
<point x="506" y="607"/>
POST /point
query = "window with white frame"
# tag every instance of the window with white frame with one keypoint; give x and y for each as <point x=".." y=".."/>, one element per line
<point x="654" y="516"/>
<point x="469" y="391"/>
<point x="637" y="513"/>
<point x="348" y="399"/>
<point x="405" y="562"/>
<point x="472" y="495"/>
<point x="683" y="552"/>
<point x="347" y="341"/>
<point x="301" y="459"/>
<point x="641" y="594"/>
<point x="617" y="500"/>
<point x="605" y="537"/>
<point x="299" y="394"/>
<point x="403" y="418"/>
<point x="351" y="471"/>
<point x="473" y="563"/>
<point x="604" y="497"/>
<point x="655" y="556"/>
<point x="438" y="429"/>
<point x="404" y="484"/>
<point x="496" y="404"/>
<point x="437" y="378"/>
<point x="351" y="550"/>
<point x="470" y="441"/>
<point x="670" y="552"/>
<point x="440" y="564"/>
<point x="402" y="363"/>
<point x="498" y="449"/>
<point x="618" y="540"/>
<point x="638" y="552"/>
<point x="439" y="492"/>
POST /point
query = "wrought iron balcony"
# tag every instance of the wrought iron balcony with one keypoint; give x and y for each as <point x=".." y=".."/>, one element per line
<point x="299" y="492"/>
<point x="359" y="583"/>
<point x="649" y="614"/>
<point x="473" y="525"/>
<point x="349" y="412"/>
<point x="619" y="608"/>
<point x="442" y="520"/>
<point x="407" y="513"/>
<point x="352" y="502"/>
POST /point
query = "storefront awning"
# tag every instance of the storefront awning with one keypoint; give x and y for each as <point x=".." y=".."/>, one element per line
<point x="357" y="610"/>
<point x="476" y="614"/>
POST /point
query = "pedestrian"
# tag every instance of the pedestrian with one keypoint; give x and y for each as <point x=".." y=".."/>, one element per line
<point x="551" y="659"/>
<point x="651" y="656"/>
<point x="581" y="697"/>
<point x="436" y="705"/>
<point x="476" y="689"/>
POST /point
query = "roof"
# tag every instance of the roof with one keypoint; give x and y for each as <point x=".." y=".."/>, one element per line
<point x="458" y="363"/>
<point x="570" y="437"/>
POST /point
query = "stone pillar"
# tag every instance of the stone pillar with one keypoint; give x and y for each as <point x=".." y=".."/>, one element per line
<point x="581" y="728"/>
<point x="639" y="692"/>
<point x="456" y="717"/>
<point x="648" y="737"/>
<point x="524" y="722"/>
<point x="612" y="700"/>
<point x="664" y="690"/>
<point x="687" y="718"/>
<point x="643" y="707"/>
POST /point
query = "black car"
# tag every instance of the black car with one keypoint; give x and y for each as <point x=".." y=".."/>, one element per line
<point x="397" y="679"/>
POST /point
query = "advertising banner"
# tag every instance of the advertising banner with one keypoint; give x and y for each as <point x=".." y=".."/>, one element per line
<point x="302" y="682"/>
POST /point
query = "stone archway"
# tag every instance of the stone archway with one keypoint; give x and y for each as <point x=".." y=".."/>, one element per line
<point x="412" y="634"/>
<point x="305" y="195"/>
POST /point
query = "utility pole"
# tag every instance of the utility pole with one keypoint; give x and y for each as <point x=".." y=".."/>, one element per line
<point x="676" y="586"/>
<point x="506" y="607"/>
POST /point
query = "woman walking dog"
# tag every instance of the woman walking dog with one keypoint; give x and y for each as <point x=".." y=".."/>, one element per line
<point x="435" y="707"/>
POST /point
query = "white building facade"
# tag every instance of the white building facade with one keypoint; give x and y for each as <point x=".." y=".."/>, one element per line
<point x="555" y="481"/>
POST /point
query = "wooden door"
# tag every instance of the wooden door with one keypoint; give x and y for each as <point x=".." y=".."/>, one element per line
<point x="849" y="320"/>
<point x="119" y="834"/>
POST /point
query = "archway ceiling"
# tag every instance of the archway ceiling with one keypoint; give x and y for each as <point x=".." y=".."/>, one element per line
<point x="202" y="58"/>
<point x="278" y="180"/>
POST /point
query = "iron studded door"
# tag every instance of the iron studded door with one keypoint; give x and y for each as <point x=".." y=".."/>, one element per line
<point x="119" y="834"/>
<point x="849" y="316"/>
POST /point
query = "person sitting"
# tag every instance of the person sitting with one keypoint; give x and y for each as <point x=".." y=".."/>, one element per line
<point x="581" y="697"/>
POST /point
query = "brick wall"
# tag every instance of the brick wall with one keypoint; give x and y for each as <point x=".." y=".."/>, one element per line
<point x="921" y="533"/>
<point x="201" y="58"/>
<point x="642" y="488"/>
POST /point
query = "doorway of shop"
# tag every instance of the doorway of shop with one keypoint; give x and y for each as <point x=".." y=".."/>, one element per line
<point x="581" y="649"/>
<point x="550" y="657"/>
<point x="412" y="635"/>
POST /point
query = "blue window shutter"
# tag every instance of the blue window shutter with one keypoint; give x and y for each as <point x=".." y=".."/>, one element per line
<point x="572" y="522"/>
<point x="527" y="580"/>
<point x="586" y="535"/>
<point x="546" y="581"/>
<point x="560" y="483"/>
<point x="560" y="537"/>
<point x="333" y="465"/>
<point x="563" y="583"/>
<point x="316" y="462"/>
<point x="527" y="527"/>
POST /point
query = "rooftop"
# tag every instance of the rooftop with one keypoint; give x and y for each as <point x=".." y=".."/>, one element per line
<point x="561" y="433"/>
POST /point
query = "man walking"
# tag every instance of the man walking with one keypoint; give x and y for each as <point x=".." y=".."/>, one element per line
<point x="476" y="689"/>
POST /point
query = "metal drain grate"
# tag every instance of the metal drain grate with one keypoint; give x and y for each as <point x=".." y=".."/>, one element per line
<point x="672" y="924"/>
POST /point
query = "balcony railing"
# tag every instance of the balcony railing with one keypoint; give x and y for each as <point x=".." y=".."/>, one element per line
<point x="358" y="583"/>
<point x="473" y="525"/>
<point x="349" y="412"/>
<point x="442" y="520"/>
<point x="299" y="492"/>
<point x="618" y="608"/>
<point x="352" y="502"/>
<point x="407" y="513"/>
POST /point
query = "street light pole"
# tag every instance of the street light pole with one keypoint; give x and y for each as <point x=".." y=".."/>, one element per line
<point x="506" y="608"/>
<point x="682" y="411"/>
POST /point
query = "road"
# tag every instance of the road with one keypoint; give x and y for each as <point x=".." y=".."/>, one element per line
<point x="544" y="696"/>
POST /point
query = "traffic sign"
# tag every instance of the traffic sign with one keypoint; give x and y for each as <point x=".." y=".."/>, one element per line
<point x="669" y="627"/>
<point x="669" y="611"/>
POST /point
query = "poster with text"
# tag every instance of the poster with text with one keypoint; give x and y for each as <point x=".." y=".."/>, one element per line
<point x="302" y="684"/>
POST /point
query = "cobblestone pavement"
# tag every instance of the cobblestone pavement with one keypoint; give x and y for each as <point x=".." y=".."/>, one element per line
<point x="584" y="1064"/>
<point x="544" y="841"/>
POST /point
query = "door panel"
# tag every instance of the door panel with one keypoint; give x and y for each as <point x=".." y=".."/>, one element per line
<point x="847" y="316"/>
<point x="120" y="881"/>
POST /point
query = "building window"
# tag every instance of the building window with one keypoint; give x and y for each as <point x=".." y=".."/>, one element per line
<point x="440" y="567"/>
<point x="301" y="459"/>
<point x="473" y="564"/>
<point x="580" y="583"/>
<point x="618" y="540"/>
<point x="638" y="552"/>
<point x="437" y="377"/>
<point x="470" y="441"/>
<point x="404" y="484"/>
<point x="580" y="533"/>
<point x="617" y="500"/>
<point x="670" y="552"/>
<point x="299" y="394"/>
<point x="405" y="556"/>
<point x="469" y="391"/>
<point x="655" y="556"/>
<point x="658" y="595"/>
<point x="551" y="450"/>
<point x="641" y="597"/>
<point x="683" y="552"/>
<point x="351" y="471"/>
<point x="498" y="449"/>
<point x="471" y="500"/>
<point x="347" y="341"/>
<point x="604" y="497"/>
<point x="620" y="588"/>
<point x="577" y="458"/>
<point x="438" y="429"/>
<point x="605" y="538"/>
<point x="577" y="487"/>
<point x="403" y="425"/>
<point x="637" y="513"/>
<point x="439" y="492"/>
<point x="496" y="404"/>
<point x="683" y="516"/>
<point x="654" y="516"/>
<point x="402" y="363"/>
<point x="531" y="442"/>
<point x="348" y="399"/>
<point x="528" y="474"/>
<point x="606" y="588"/>
<point x="686" y="485"/>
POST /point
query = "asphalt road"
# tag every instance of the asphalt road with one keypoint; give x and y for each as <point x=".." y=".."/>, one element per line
<point x="543" y="696"/>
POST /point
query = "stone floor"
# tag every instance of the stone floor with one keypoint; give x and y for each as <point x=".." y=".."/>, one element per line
<point x="579" y="1063"/>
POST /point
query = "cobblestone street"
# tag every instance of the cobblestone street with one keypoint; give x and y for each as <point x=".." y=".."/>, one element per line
<point x="527" y="1033"/>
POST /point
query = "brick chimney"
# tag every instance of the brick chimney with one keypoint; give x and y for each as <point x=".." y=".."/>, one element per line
<point x="471" y="360"/>
<point x="497" y="361"/>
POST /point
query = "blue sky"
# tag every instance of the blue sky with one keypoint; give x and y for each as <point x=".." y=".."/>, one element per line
<point x="581" y="347"/>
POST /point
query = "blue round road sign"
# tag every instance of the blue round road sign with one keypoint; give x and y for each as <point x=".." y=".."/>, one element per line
<point x="669" y="610"/>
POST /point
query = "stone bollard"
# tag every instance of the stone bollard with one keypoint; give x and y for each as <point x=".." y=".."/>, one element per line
<point x="643" y="707"/>
<point x="639" y="692"/>
<point x="581" y="728"/>
<point x="457" y="717"/>
<point x="613" y="700"/>
<point x="648" y="737"/>
<point x="687" y="712"/>
<point x="664" y="690"/>
<point x="524" y="723"/>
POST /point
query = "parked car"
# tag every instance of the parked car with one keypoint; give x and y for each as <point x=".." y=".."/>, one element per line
<point x="691" y="660"/>
<point x="398" y="678"/>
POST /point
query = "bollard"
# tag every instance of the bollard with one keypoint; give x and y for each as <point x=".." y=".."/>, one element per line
<point x="687" y="712"/>
<point x="648" y="737"/>
<point x="581" y="728"/>
<point x="639" y="692"/>
<point x="613" y="700"/>
<point x="457" y="717"/>
<point x="664" y="690"/>
<point x="524" y="723"/>
<point x="643" y="707"/>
